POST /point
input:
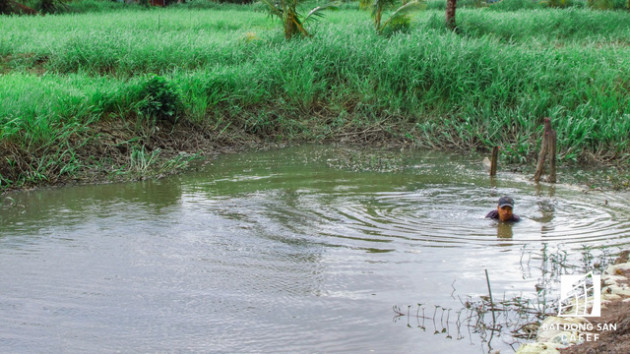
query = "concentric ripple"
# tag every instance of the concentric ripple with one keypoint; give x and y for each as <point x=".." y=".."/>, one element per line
<point x="431" y="201"/>
<point x="454" y="216"/>
<point x="302" y="250"/>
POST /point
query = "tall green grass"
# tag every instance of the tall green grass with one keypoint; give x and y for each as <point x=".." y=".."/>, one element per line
<point x="492" y="83"/>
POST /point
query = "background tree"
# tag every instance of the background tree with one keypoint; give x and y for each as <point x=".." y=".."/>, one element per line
<point x="47" y="6"/>
<point x="44" y="6"/>
<point x="4" y="6"/>
<point x="11" y="7"/>
<point x="451" y="5"/>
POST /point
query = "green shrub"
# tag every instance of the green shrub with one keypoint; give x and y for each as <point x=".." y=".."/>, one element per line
<point x="5" y="8"/>
<point x="161" y="100"/>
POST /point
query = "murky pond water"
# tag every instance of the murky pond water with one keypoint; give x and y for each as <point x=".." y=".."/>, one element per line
<point x="299" y="250"/>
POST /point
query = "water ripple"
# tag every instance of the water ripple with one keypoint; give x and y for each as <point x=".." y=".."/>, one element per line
<point x="444" y="216"/>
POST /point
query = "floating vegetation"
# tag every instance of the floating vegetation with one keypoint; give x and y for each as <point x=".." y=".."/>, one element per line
<point x="368" y="161"/>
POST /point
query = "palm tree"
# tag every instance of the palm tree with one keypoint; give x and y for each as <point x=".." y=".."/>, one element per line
<point x="450" y="14"/>
<point x="292" y="21"/>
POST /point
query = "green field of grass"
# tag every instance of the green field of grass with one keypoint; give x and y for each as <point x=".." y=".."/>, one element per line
<point x="231" y="71"/>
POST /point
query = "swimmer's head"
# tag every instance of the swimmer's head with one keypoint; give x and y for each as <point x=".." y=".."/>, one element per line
<point x="505" y="208"/>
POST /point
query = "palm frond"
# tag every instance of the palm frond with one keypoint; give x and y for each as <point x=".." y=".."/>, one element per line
<point x="405" y="10"/>
<point x="274" y="7"/>
<point x="317" y="11"/>
<point x="384" y="4"/>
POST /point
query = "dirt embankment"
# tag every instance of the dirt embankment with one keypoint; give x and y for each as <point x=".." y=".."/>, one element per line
<point x="116" y="150"/>
<point x="609" y="341"/>
<point x="106" y="151"/>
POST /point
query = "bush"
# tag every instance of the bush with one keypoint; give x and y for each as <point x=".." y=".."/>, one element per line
<point x="161" y="100"/>
<point x="4" y="7"/>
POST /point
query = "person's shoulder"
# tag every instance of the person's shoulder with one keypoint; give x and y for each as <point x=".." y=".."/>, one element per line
<point x="516" y="218"/>
<point x="494" y="214"/>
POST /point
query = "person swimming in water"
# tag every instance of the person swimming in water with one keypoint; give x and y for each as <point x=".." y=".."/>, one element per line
<point x="504" y="211"/>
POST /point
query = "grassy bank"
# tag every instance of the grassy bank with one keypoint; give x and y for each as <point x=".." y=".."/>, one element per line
<point x="75" y="92"/>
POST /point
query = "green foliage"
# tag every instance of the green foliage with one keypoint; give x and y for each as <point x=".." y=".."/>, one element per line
<point x="84" y="6"/>
<point x="554" y="3"/>
<point x="292" y="20"/>
<point x="399" y="20"/>
<point x="5" y="7"/>
<point x="398" y="24"/>
<point x="209" y="4"/>
<point x="461" y="4"/>
<point x="603" y="4"/>
<point x="515" y="5"/>
<point x="237" y="1"/>
<point x="52" y="6"/>
<point x="161" y="100"/>
<point x="227" y="69"/>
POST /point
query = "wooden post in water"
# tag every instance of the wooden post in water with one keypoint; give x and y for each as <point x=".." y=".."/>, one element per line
<point x="541" y="159"/>
<point x="493" y="161"/>
<point x="548" y="146"/>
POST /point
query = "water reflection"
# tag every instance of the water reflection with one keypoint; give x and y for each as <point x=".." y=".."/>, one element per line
<point x="546" y="206"/>
<point x="75" y="205"/>
<point x="504" y="230"/>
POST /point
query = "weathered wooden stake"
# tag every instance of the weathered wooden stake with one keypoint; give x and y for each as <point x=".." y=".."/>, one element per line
<point x="541" y="160"/>
<point x="548" y="146"/>
<point x="552" y="158"/>
<point x="493" y="161"/>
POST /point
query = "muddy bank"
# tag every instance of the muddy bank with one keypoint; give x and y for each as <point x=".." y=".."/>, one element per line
<point x="115" y="150"/>
<point x="104" y="152"/>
